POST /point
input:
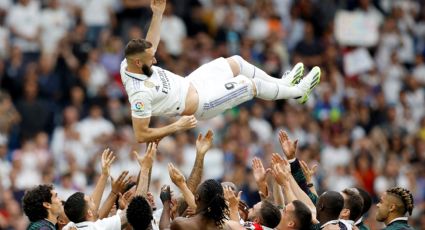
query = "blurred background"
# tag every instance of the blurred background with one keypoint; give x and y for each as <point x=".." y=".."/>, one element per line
<point x="62" y="101"/>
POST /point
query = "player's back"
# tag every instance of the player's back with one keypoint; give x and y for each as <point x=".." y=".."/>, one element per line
<point x="162" y="93"/>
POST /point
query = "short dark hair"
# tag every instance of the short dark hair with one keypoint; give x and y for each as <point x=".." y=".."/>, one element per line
<point x="139" y="213"/>
<point x="75" y="207"/>
<point x="135" y="46"/>
<point x="367" y="200"/>
<point x="269" y="214"/>
<point x="32" y="202"/>
<point x="332" y="203"/>
<point x="302" y="214"/>
<point x="354" y="203"/>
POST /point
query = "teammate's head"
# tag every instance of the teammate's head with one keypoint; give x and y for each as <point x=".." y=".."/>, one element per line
<point x="138" y="54"/>
<point x="329" y="206"/>
<point x="79" y="208"/>
<point x="139" y="213"/>
<point x="353" y="205"/>
<point x="395" y="202"/>
<point x="211" y="202"/>
<point x="40" y="202"/>
<point x="367" y="199"/>
<point x="296" y="215"/>
<point x="265" y="213"/>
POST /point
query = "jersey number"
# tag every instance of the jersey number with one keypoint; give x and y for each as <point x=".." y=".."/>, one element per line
<point x="230" y="85"/>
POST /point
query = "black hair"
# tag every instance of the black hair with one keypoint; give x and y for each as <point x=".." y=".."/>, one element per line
<point x="302" y="214"/>
<point x="211" y="198"/>
<point x="135" y="46"/>
<point x="331" y="203"/>
<point x="269" y="214"/>
<point x="139" y="213"/>
<point x="354" y="203"/>
<point x="75" y="207"/>
<point x="32" y="202"/>
<point x="367" y="200"/>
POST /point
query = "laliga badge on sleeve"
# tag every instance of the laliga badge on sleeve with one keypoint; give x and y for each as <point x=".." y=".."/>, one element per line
<point x="138" y="106"/>
<point x="149" y="84"/>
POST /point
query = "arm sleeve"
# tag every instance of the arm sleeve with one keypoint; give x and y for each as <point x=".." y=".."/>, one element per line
<point x="141" y="106"/>
<point x="299" y="177"/>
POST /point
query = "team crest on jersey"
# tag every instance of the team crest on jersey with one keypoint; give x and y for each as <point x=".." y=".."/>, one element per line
<point x="138" y="106"/>
<point x="149" y="84"/>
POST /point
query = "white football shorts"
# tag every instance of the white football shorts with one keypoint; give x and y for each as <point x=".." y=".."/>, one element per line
<point x="218" y="90"/>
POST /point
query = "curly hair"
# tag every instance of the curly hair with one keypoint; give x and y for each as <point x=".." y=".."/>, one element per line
<point x="139" y="213"/>
<point x="211" y="197"/>
<point x="32" y="202"/>
<point x="405" y="196"/>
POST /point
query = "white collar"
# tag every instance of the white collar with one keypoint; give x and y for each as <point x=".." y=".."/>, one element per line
<point x="329" y="222"/>
<point x="398" y="218"/>
<point x="135" y="75"/>
<point x="359" y="221"/>
<point x="350" y="222"/>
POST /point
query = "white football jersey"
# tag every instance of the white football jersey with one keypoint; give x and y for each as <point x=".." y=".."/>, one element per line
<point x="162" y="94"/>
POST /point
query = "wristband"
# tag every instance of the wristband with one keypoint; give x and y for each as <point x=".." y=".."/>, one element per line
<point x="310" y="185"/>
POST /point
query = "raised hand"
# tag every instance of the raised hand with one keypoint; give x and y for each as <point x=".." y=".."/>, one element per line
<point x="186" y="122"/>
<point x="108" y="158"/>
<point x="258" y="169"/>
<point x="119" y="185"/>
<point x="175" y="175"/>
<point x="151" y="200"/>
<point x="308" y="172"/>
<point x="204" y="143"/>
<point x="278" y="160"/>
<point x="289" y="148"/>
<point x="124" y="200"/>
<point x="158" y="6"/>
<point x="281" y="176"/>
<point x="229" y="196"/>
<point x="165" y="195"/>
<point x="146" y="160"/>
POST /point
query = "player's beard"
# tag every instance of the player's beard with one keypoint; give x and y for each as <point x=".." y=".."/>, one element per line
<point x="147" y="70"/>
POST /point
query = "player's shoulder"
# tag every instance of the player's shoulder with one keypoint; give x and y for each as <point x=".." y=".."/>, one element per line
<point x="180" y="223"/>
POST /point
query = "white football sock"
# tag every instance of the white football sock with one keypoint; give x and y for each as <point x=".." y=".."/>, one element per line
<point x="251" y="71"/>
<point x="273" y="91"/>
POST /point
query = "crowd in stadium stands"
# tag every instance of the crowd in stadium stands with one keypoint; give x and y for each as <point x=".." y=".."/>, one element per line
<point x="62" y="103"/>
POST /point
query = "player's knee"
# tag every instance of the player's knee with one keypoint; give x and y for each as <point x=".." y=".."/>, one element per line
<point x="235" y="64"/>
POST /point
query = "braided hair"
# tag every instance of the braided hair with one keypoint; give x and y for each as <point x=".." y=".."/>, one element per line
<point x="211" y="197"/>
<point x="405" y="196"/>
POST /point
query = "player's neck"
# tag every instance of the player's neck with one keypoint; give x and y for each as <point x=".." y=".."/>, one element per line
<point x="134" y="69"/>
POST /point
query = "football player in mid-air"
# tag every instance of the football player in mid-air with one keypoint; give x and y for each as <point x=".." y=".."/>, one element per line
<point x="208" y="91"/>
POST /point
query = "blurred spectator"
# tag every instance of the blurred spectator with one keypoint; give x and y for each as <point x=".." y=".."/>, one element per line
<point x="24" y="23"/>
<point x="173" y="31"/>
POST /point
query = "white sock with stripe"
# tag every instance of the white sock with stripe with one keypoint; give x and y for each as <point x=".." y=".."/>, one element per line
<point x="251" y="71"/>
<point x="274" y="91"/>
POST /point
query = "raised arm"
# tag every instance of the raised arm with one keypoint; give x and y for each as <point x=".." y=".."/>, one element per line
<point x="164" y="222"/>
<point x="178" y="179"/>
<point x="153" y="35"/>
<point x="289" y="148"/>
<point x="260" y="176"/>
<point x="106" y="161"/>
<point x="203" y="144"/>
<point x="145" y="163"/>
<point x="144" y="133"/>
